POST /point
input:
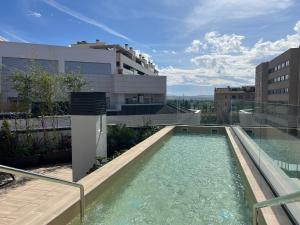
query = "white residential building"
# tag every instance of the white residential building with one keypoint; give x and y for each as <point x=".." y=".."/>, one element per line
<point x="126" y="78"/>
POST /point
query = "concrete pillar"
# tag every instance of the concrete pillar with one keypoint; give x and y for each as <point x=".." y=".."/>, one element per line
<point x="88" y="122"/>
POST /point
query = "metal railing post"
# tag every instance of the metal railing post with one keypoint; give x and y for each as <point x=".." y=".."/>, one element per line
<point x="289" y="198"/>
<point x="15" y="171"/>
<point x="254" y="216"/>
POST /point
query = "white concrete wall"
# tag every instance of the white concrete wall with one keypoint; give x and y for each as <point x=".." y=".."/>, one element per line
<point x="119" y="85"/>
<point x="60" y="53"/>
<point x="127" y="84"/>
<point x="156" y="119"/>
<point x="130" y="84"/>
<point x="88" y="142"/>
<point x="129" y="62"/>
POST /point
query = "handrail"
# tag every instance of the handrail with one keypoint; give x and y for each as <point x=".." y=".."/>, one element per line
<point x="289" y="198"/>
<point x="20" y="172"/>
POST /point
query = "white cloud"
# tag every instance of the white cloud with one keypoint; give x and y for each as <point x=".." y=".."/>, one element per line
<point x="34" y="14"/>
<point x="3" y="38"/>
<point x="225" y="43"/>
<point x="297" y="28"/>
<point x="226" y="60"/>
<point x="207" y="11"/>
<point x="220" y="44"/>
<point x="168" y="52"/>
<point x="85" y="19"/>
<point x="16" y="37"/>
<point x="195" y="46"/>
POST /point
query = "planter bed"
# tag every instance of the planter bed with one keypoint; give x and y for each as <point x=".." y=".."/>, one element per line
<point x="51" y="157"/>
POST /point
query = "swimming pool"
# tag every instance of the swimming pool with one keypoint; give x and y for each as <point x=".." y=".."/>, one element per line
<point x="191" y="179"/>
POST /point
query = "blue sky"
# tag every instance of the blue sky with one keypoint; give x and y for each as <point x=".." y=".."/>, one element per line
<point x="197" y="44"/>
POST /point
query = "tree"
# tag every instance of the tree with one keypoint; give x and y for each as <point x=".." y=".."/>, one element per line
<point x="45" y="89"/>
<point x="38" y="85"/>
<point x="73" y="82"/>
<point x="23" y="83"/>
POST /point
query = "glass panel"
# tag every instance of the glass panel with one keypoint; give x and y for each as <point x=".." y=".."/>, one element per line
<point x="270" y="133"/>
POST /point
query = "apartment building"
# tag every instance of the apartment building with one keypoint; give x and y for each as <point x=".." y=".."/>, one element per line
<point x="277" y="85"/>
<point x="223" y="99"/>
<point x="127" y="61"/>
<point x="277" y="81"/>
<point x="102" y="67"/>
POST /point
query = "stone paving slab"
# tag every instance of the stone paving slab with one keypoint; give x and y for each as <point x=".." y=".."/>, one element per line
<point x="26" y="200"/>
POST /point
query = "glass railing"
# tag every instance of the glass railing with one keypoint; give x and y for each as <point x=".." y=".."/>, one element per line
<point x="270" y="134"/>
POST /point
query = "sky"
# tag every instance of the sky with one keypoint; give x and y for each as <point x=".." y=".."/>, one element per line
<point x="197" y="44"/>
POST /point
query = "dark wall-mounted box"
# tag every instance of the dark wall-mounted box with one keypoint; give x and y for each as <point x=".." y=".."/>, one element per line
<point x="88" y="103"/>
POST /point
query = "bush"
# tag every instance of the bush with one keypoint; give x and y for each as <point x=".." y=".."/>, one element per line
<point x="120" y="138"/>
<point x="7" y="140"/>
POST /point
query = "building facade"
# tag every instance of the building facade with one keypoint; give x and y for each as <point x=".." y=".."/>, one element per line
<point x="223" y="98"/>
<point x="100" y="67"/>
<point x="127" y="61"/>
<point x="277" y="81"/>
<point x="277" y="89"/>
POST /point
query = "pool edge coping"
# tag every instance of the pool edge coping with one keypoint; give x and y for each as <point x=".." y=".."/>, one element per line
<point x="258" y="187"/>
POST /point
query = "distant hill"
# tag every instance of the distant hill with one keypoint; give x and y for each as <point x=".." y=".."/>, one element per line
<point x="197" y="97"/>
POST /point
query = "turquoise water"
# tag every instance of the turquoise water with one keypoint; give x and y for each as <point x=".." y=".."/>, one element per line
<point x="192" y="179"/>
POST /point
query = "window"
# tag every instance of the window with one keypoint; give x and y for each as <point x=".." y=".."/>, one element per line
<point x="286" y="77"/>
<point x="282" y="65"/>
<point x="279" y="67"/>
<point x="11" y="64"/>
<point x="127" y="67"/>
<point x="87" y="67"/>
<point x="278" y="91"/>
<point x="282" y="78"/>
<point x="287" y="63"/>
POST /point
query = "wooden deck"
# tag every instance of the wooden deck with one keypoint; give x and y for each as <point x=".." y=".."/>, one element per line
<point x="26" y="201"/>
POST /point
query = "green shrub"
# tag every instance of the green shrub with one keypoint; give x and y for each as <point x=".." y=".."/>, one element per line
<point x="7" y="140"/>
<point x="120" y="138"/>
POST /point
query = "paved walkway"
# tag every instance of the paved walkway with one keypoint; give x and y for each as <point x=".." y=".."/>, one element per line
<point x="27" y="201"/>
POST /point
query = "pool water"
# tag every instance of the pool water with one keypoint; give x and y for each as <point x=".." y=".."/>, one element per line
<point x="191" y="179"/>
